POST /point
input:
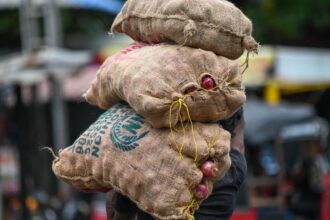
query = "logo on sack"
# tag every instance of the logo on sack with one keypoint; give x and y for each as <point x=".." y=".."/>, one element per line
<point x="127" y="131"/>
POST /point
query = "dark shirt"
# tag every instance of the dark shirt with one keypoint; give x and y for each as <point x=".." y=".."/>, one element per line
<point x="220" y="204"/>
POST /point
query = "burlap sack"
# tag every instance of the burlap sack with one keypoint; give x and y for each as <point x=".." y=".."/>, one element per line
<point x="214" y="25"/>
<point x="159" y="80"/>
<point x="121" y="151"/>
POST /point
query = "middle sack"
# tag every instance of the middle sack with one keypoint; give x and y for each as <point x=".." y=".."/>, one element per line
<point x="168" y="84"/>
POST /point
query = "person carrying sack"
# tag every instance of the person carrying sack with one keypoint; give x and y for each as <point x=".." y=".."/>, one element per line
<point x="220" y="205"/>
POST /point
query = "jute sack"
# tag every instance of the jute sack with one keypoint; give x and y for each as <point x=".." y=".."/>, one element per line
<point x="214" y="25"/>
<point x="157" y="168"/>
<point x="161" y="81"/>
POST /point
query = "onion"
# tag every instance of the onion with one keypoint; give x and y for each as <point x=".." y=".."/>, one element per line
<point x="209" y="169"/>
<point x="208" y="82"/>
<point x="201" y="191"/>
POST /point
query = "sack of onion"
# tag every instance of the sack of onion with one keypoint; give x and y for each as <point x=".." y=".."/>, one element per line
<point x="161" y="81"/>
<point x="162" y="170"/>
<point x="214" y="25"/>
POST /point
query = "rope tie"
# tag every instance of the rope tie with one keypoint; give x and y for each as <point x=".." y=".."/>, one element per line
<point x="181" y="103"/>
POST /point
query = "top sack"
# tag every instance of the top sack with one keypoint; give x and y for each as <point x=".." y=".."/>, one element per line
<point x="214" y="25"/>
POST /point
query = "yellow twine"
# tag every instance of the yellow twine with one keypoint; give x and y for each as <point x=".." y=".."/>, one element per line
<point x="246" y="62"/>
<point x="194" y="202"/>
<point x="187" y="208"/>
<point x="231" y="81"/>
<point x="172" y="133"/>
<point x="181" y="103"/>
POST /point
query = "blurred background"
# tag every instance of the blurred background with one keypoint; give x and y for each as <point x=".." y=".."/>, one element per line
<point x="50" y="51"/>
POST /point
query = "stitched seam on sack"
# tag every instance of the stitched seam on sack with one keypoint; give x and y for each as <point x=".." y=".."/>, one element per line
<point x="180" y="18"/>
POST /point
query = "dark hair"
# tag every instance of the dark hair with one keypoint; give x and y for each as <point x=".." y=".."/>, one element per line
<point x="231" y="123"/>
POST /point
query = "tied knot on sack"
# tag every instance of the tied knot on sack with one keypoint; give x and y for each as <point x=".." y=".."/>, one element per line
<point x="182" y="105"/>
<point x="189" y="31"/>
<point x="251" y="46"/>
<point x="51" y="151"/>
<point x="189" y="208"/>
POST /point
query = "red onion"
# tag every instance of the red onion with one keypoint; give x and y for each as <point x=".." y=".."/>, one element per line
<point x="209" y="169"/>
<point x="207" y="82"/>
<point x="201" y="191"/>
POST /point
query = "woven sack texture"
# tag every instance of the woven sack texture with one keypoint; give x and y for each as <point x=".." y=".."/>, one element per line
<point x="150" y="166"/>
<point x="160" y="81"/>
<point x="214" y="25"/>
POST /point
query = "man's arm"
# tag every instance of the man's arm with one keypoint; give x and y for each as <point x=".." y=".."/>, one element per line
<point x="237" y="137"/>
<point x="120" y="207"/>
<point x="221" y="203"/>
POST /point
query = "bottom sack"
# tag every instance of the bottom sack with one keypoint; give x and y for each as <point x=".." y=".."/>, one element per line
<point x="158" y="169"/>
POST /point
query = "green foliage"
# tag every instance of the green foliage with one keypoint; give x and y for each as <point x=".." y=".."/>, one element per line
<point x="85" y="21"/>
<point x="9" y="28"/>
<point x="276" y="20"/>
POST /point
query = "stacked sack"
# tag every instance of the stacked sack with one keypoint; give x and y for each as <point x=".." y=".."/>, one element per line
<point x="159" y="142"/>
